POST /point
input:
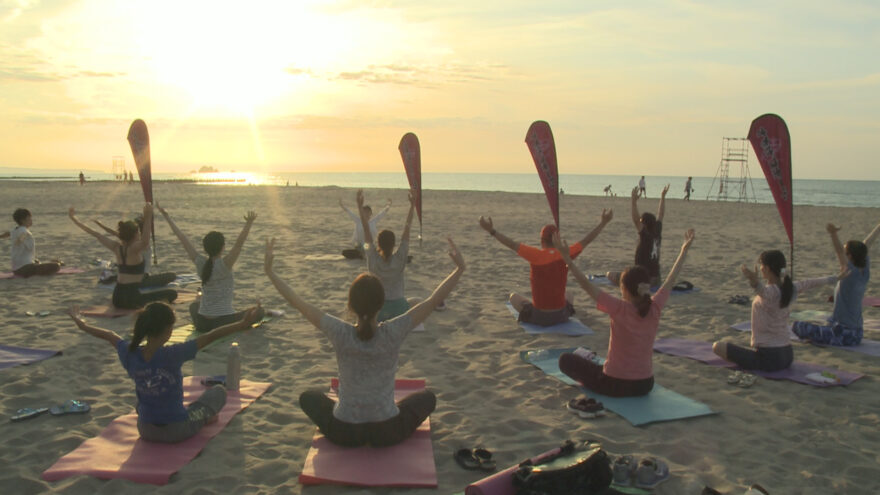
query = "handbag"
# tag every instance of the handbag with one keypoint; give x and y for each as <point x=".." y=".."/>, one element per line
<point x="574" y="470"/>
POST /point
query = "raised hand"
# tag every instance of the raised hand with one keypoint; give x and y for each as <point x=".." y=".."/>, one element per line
<point x="269" y="257"/>
<point x="250" y="316"/>
<point x="831" y="228"/>
<point x="249" y="218"/>
<point x="607" y="215"/>
<point x="635" y="193"/>
<point x="665" y="190"/>
<point x="73" y="313"/>
<point x="688" y="239"/>
<point x="455" y="254"/>
<point x="486" y="223"/>
<point x="71" y="212"/>
<point x="360" y="198"/>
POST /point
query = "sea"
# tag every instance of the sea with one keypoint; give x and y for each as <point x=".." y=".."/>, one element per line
<point x="817" y="192"/>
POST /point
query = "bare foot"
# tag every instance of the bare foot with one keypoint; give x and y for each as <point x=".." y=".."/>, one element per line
<point x="213" y="419"/>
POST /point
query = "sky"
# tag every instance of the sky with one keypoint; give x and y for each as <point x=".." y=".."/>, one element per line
<point x="628" y="87"/>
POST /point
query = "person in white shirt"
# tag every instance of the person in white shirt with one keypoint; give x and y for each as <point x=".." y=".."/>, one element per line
<point x="22" y="249"/>
<point x="357" y="236"/>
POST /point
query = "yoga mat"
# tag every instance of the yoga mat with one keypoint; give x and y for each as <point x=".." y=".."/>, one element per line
<point x="13" y="356"/>
<point x="110" y="311"/>
<point x="325" y="257"/>
<point x="181" y="281"/>
<point x="867" y="346"/>
<point x="570" y="327"/>
<point x="797" y="372"/>
<point x="661" y="404"/>
<point x="407" y="464"/>
<point x="118" y="452"/>
<point x="65" y="270"/>
<point x="871" y="301"/>
<point x="603" y="280"/>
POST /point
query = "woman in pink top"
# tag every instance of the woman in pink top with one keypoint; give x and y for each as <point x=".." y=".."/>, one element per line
<point x="634" y="319"/>
<point x="771" y="330"/>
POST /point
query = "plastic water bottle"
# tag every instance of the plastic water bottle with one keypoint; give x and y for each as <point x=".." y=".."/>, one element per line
<point x="233" y="367"/>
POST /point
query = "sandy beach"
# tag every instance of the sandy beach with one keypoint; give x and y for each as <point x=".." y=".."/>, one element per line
<point x="791" y="438"/>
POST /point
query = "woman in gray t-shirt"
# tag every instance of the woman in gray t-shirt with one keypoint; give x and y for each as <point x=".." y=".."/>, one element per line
<point x="367" y="355"/>
<point x="214" y="309"/>
<point x="387" y="264"/>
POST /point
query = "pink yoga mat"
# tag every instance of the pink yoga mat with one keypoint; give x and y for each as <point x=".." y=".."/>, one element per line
<point x="118" y="452"/>
<point x="871" y="301"/>
<point x="408" y="464"/>
<point x="65" y="270"/>
<point x="501" y="483"/>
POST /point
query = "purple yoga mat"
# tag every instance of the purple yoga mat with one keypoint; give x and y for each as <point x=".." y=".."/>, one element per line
<point x="63" y="271"/>
<point x="13" y="356"/>
<point x="797" y="372"/>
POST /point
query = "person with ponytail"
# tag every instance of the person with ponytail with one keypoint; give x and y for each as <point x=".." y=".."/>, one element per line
<point x="155" y="370"/>
<point x="367" y="357"/>
<point x="150" y="279"/>
<point x="129" y="250"/>
<point x="845" y="327"/>
<point x="214" y="308"/>
<point x="628" y="370"/>
<point x="771" y="331"/>
<point x="385" y="263"/>
<point x="650" y="230"/>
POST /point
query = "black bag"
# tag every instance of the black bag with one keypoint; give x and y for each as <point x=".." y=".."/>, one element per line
<point x="572" y="471"/>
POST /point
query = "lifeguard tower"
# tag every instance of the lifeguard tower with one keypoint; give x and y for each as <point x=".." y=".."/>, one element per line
<point x="734" y="155"/>
<point x="118" y="166"/>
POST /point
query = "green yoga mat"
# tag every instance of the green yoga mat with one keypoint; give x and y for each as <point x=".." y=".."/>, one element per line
<point x="661" y="404"/>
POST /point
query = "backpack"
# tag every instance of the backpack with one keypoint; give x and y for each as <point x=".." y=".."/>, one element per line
<point x="572" y="471"/>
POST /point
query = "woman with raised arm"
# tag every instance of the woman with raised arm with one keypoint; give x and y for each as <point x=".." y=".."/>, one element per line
<point x="650" y="229"/>
<point x="845" y="327"/>
<point x="367" y="355"/>
<point x="214" y="308"/>
<point x="129" y="251"/>
<point x="358" y="237"/>
<point x="771" y="331"/>
<point x="387" y="264"/>
<point x="150" y="279"/>
<point x="628" y="369"/>
<point x="155" y="370"/>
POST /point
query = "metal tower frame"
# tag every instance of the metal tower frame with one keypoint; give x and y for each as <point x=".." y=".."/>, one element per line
<point x="734" y="153"/>
<point x="118" y="166"/>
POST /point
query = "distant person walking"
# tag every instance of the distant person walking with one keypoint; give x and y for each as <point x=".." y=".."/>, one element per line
<point x="688" y="189"/>
<point x="642" y="190"/>
<point x="82" y="178"/>
<point x="607" y="190"/>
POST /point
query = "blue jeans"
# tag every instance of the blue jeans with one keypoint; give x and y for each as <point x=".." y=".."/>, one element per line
<point x="832" y="334"/>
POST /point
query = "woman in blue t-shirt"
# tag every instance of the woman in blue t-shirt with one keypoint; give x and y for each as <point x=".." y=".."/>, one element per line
<point x="845" y="327"/>
<point x="158" y="380"/>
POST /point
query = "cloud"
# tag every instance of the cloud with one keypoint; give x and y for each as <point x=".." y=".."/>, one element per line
<point x="424" y="76"/>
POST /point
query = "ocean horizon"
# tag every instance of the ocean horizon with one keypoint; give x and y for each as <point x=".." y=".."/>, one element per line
<point x="816" y="192"/>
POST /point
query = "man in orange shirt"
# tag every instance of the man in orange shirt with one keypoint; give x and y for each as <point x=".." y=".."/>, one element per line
<point x="548" y="273"/>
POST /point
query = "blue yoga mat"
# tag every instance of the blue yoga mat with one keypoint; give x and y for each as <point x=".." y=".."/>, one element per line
<point x="661" y="404"/>
<point x="571" y="327"/>
<point x="13" y="356"/>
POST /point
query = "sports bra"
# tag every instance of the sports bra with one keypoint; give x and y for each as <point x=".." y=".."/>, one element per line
<point x="129" y="269"/>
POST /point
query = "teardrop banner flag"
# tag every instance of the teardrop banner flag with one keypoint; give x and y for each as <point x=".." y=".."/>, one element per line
<point x="411" y="154"/>
<point x="539" y="139"/>
<point x="772" y="144"/>
<point x="139" y="140"/>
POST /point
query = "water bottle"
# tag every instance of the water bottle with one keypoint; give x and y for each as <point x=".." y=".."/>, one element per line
<point x="233" y="367"/>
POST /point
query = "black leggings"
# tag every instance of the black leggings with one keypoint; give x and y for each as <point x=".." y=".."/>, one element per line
<point x="761" y="358"/>
<point x="128" y="296"/>
<point x="414" y="409"/>
<point x="594" y="378"/>
<point x="157" y="279"/>
<point x="37" y="268"/>
<point x="203" y="323"/>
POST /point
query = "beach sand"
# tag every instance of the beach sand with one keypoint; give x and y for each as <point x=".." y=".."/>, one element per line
<point x="790" y="438"/>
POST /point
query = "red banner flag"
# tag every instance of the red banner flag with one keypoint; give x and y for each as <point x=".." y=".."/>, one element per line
<point x="411" y="154"/>
<point x="772" y="144"/>
<point x="139" y="140"/>
<point x="539" y="139"/>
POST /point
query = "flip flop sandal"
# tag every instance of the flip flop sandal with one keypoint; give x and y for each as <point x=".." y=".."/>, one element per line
<point x="466" y="459"/>
<point x="484" y="457"/>
<point x="651" y="472"/>
<point x="735" y="377"/>
<point x="747" y="380"/>
<point x="28" y="412"/>
<point x="70" y="407"/>
<point x="586" y="408"/>
<point x="757" y="489"/>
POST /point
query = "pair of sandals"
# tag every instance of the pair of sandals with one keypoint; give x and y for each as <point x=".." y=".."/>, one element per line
<point x="478" y="459"/>
<point x="647" y="474"/>
<point x="739" y="299"/>
<point x="742" y="379"/>
<point x="69" y="407"/>
<point x="586" y="408"/>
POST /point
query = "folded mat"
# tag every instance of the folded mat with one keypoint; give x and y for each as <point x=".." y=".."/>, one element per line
<point x="661" y="404"/>
<point x="407" y="464"/>
<point x="570" y="327"/>
<point x="867" y="346"/>
<point x="603" y="280"/>
<point x="65" y="270"/>
<point x="13" y="356"/>
<point x="118" y="452"/>
<point x="501" y="483"/>
<point x="797" y="372"/>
